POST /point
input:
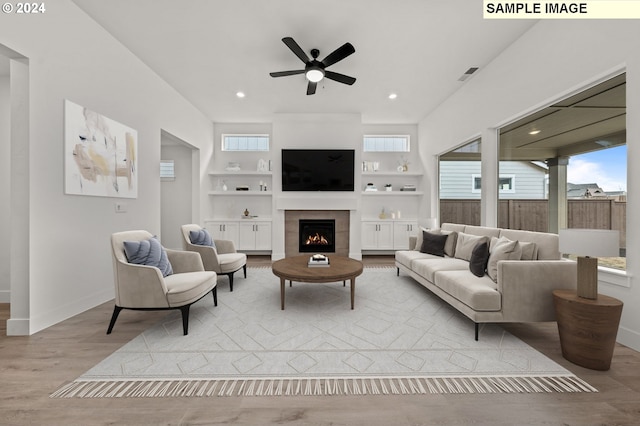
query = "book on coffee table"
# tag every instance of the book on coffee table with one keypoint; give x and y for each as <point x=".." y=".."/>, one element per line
<point x="318" y="260"/>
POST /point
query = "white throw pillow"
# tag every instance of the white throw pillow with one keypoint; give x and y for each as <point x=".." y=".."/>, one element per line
<point x="502" y="249"/>
<point x="466" y="243"/>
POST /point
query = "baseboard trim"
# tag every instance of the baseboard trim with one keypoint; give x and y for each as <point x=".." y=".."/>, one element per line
<point x="18" y="327"/>
<point x="5" y="296"/>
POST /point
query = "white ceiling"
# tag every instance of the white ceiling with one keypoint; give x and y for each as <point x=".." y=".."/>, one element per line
<point x="210" y="49"/>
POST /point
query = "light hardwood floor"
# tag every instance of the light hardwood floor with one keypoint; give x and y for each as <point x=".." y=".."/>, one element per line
<point x="32" y="367"/>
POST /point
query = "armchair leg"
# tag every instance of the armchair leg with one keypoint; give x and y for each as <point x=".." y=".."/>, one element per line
<point x="230" y="281"/>
<point x="114" y="317"/>
<point x="244" y="269"/>
<point x="215" y="296"/>
<point x="185" y="318"/>
<point x="477" y="327"/>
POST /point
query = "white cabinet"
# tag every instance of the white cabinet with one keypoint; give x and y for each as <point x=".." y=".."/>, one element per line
<point x="223" y="230"/>
<point x="254" y="236"/>
<point x="402" y="230"/>
<point x="387" y="234"/>
<point x="377" y="235"/>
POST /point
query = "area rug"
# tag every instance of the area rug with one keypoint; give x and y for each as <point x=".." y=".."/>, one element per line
<point x="399" y="339"/>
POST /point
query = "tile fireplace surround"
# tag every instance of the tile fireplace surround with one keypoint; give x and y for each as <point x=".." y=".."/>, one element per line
<point x="291" y="228"/>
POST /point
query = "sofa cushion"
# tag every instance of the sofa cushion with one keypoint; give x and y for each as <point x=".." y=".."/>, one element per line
<point x="450" y="246"/>
<point x="466" y="243"/>
<point x="502" y="249"/>
<point x="426" y="268"/>
<point x="433" y="243"/>
<point x="406" y="257"/>
<point x="479" y="259"/>
<point x="546" y="243"/>
<point x="419" y="238"/>
<point x="479" y="293"/>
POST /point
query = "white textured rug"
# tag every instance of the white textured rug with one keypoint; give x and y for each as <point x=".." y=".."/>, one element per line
<point x="399" y="339"/>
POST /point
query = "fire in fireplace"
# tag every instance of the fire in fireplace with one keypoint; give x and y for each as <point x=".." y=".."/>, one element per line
<point x="317" y="236"/>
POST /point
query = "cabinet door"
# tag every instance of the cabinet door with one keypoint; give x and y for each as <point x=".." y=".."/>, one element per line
<point x="216" y="230"/>
<point x="401" y="233"/>
<point x="220" y="230"/>
<point x="385" y="236"/>
<point x="263" y="236"/>
<point x="369" y="235"/>
<point x="231" y="232"/>
<point x="247" y="238"/>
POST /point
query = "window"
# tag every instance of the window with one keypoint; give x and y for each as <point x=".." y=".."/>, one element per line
<point x="398" y="143"/>
<point x="167" y="170"/>
<point x="506" y="183"/>
<point x="245" y="142"/>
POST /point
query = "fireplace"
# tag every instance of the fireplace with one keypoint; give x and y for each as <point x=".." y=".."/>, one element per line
<point x="317" y="236"/>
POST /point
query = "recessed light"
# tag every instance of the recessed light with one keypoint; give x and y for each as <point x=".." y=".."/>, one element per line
<point x="393" y="96"/>
<point x="240" y="94"/>
<point x="534" y="132"/>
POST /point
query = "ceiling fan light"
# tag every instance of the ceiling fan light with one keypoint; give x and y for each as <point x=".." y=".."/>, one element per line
<point x="314" y="75"/>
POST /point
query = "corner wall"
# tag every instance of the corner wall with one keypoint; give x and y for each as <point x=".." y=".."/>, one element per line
<point x="552" y="60"/>
<point x="72" y="57"/>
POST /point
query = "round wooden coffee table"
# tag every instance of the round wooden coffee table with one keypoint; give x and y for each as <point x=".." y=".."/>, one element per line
<point x="296" y="269"/>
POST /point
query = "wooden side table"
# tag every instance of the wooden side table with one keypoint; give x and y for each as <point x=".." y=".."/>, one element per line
<point x="587" y="328"/>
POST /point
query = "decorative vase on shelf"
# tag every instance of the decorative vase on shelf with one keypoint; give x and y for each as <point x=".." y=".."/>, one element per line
<point x="224" y="186"/>
<point x="246" y="212"/>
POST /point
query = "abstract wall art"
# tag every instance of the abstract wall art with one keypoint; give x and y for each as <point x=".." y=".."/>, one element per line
<point x="100" y="154"/>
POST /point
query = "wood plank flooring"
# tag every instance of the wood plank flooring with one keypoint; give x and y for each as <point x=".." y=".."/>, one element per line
<point x="32" y="367"/>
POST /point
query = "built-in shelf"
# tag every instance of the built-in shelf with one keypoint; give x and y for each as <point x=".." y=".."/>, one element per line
<point x="240" y="173"/>
<point x="392" y="193"/>
<point x="240" y="219"/>
<point x="242" y="193"/>
<point x="392" y="174"/>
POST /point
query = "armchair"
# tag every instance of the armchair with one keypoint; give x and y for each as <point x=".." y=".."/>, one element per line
<point x="141" y="287"/>
<point x="221" y="258"/>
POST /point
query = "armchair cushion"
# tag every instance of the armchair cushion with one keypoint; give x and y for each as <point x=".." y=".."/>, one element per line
<point x="201" y="238"/>
<point x="148" y="252"/>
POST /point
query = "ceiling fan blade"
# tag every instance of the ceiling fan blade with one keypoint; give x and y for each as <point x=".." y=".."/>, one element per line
<point x="341" y="78"/>
<point x="296" y="49"/>
<point x="339" y="54"/>
<point x="285" y="73"/>
<point x="311" y="88"/>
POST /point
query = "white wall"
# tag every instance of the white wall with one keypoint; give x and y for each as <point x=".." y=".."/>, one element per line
<point x="551" y="61"/>
<point x="176" y="200"/>
<point x="305" y="131"/>
<point x="69" y="261"/>
<point x="5" y="194"/>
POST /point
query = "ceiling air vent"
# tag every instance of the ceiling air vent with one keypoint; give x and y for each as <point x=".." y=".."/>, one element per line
<point x="468" y="73"/>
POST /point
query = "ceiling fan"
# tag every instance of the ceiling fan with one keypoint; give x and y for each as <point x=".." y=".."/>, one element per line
<point x="315" y="70"/>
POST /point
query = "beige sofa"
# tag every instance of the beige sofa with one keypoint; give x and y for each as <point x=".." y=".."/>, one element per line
<point x="522" y="291"/>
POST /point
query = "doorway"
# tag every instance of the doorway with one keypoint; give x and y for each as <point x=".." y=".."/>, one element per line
<point x="178" y="203"/>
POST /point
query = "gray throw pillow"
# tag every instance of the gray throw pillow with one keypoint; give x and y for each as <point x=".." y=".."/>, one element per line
<point x="502" y="249"/>
<point x="150" y="253"/>
<point x="201" y="238"/>
<point x="433" y="243"/>
<point x="466" y="243"/>
<point x="479" y="259"/>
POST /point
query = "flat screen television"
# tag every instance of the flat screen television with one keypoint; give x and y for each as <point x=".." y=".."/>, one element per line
<point x="318" y="169"/>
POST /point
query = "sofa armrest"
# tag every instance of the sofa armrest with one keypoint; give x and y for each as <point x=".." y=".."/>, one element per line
<point x="225" y="246"/>
<point x="526" y="287"/>
<point x="184" y="261"/>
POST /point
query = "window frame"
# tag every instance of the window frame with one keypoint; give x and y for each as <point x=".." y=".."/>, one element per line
<point x="223" y="137"/>
<point x="406" y="137"/>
